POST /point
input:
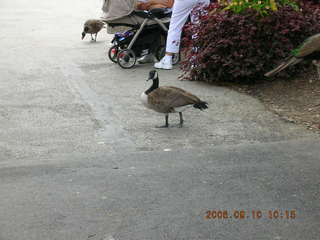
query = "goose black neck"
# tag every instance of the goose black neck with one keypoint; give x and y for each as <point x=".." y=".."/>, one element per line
<point x="154" y="85"/>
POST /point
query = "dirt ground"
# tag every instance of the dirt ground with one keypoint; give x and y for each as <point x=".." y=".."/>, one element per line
<point x="295" y="100"/>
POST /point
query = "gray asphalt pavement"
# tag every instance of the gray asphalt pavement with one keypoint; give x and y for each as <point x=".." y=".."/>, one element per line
<point x="80" y="157"/>
<point x="166" y="195"/>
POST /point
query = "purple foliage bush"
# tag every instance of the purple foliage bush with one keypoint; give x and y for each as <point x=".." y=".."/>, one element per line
<point x="226" y="46"/>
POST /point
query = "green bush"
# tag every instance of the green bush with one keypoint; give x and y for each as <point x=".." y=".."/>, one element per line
<point x="232" y="46"/>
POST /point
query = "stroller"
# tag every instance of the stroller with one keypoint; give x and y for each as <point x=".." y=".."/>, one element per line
<point x="137" y="33"/>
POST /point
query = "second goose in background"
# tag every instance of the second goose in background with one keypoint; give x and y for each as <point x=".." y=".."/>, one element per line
<point x="92" y="26"/>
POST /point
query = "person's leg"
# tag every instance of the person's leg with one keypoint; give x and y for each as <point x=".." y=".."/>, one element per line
<point x="180" y="13"/>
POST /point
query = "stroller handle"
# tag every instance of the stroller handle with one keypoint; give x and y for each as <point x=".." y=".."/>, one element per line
<point x="153" y="13"/>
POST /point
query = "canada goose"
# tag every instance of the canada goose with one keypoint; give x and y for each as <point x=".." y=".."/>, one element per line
<point x="168" y="99"/>
<point x="92" y="26"/>
<point x="308" y="50"/>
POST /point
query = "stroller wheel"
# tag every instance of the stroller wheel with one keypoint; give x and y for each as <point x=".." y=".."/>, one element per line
<point x="161" y="51"/>
<point x="126" y="58"/>
<point x="113" y="52"/>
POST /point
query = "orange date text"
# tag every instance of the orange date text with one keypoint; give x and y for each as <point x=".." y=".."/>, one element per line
<point x="251" y="214"/>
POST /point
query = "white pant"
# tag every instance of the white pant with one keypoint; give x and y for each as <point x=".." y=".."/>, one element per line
<point x="180" y="13"/>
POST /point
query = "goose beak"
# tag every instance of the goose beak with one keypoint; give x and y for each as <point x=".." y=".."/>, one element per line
<point x="83" y="35"/>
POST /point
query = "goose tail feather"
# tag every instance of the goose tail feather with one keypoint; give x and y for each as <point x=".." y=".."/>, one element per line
<point x="291" y="61"/>
<point x="201" y="105"/>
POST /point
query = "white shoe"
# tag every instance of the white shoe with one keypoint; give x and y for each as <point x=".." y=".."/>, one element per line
<point x="164" y="64"/>
<point x="149" y="58"/>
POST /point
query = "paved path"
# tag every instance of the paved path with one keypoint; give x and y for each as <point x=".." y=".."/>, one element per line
<point x="80" y="157"/>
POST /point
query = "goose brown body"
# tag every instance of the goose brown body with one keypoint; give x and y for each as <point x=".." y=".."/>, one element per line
<point x="92" y="26"/>
<point x="168" y="99"/>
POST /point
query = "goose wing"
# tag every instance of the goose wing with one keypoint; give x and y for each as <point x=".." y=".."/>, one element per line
<point x="184" y="97"/>
<point x="94" y="25"/>
<point x="165" y="99"/>
<point x="288" y="62"/>
<point x="100" y="24"/>
<point x="89" y="22"/>
<point x="309" y="46"/>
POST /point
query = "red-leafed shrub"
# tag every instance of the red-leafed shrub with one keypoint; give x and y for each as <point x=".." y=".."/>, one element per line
<point x="227" y="46"/>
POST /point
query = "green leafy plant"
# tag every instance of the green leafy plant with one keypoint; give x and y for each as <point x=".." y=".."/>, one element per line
<point x="261" y="6"/>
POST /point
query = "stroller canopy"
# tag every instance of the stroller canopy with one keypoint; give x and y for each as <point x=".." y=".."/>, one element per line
<point x="116" y="9"/>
